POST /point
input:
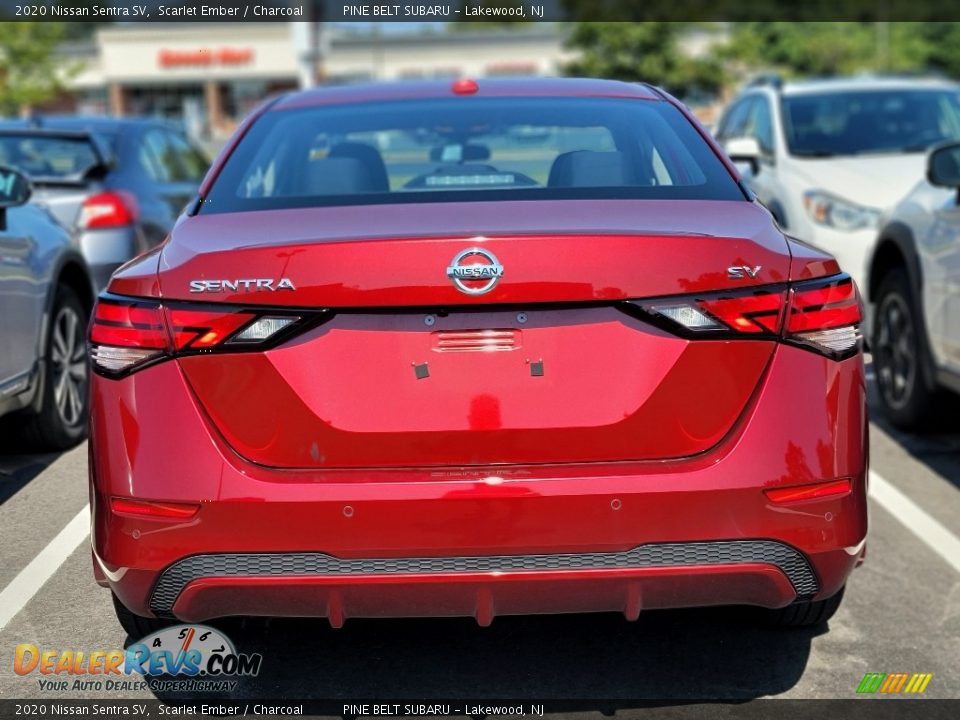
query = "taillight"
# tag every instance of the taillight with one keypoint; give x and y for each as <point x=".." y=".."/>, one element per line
<point x="127" y="334"/>
<point x="825" y="315"/>
<point x="822" y="315"/>
<point x="756" y="312"/>
<point x="114" y="208"/>
<point x="124" y="335"/>
<point x="199" y="329"/>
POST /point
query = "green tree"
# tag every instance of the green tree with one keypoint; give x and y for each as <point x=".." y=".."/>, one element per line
<point x="941" y="46"/>
<point x="30" y="73"/>
<point x="642" y="51"/>
<point x="829" y="48"/>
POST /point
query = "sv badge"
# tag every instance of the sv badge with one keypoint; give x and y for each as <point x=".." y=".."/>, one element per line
<point x="742" y="272"/>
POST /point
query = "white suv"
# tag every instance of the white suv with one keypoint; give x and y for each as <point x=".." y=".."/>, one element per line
<point x="913" y="285"/>
<point x="828" y="157"/>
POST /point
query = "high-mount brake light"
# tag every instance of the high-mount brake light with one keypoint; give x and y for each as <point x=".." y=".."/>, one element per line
<point x="128" y="333"/>
<point x="823" y="315"/>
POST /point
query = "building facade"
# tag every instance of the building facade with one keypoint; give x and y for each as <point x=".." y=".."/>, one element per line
<point x="209" y="75"/>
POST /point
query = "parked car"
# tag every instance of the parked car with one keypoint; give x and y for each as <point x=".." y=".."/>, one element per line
<point x="828" y="157"/>
<point x="45" y="300"/>
<point x="914" y="291"/>
<point x="118" y="184"/>
<point x="362" y="383"/>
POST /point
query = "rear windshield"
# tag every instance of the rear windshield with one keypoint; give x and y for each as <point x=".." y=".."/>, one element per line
<point x="469" y="149"/>
<point x="868" y="122"/>
<point x="41" y="156"/>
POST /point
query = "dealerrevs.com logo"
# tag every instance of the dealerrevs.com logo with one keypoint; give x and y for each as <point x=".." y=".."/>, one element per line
<point x="894" y="683"/>
<point x="182" y="657"/>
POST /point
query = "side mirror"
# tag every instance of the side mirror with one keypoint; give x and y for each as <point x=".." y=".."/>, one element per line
<point x="15" y="190"/>
<point x="746" y="151"/>
<point x="943" y="166"/>
<point x="14" y="187"/>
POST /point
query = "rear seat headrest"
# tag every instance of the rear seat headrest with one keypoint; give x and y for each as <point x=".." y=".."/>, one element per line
<point x="337" y="176"/>
<point x="589" y="168"/>
<point x="370" y="157"/>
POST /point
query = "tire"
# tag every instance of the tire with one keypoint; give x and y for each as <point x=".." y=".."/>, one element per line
<point x="137" y="626"/>
<point x="806" y="614"/>
<point x="62" y="420"/>
<point x="900" y="354"/>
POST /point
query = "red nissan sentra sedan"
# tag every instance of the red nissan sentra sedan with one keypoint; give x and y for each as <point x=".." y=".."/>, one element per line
<point x="476" y="349"/>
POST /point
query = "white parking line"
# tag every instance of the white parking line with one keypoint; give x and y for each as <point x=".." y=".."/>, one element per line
<point x="25" y="585"/>
<point x="943" y="542"/>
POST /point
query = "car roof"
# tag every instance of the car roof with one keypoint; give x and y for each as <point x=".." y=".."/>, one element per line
<point x="84" y="123"/>
<point x="864" y="83"/>
<point x="486" y="87"/>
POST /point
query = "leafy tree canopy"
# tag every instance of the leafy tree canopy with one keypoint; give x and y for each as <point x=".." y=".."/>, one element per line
<point x="647" y="51"/>
<point x="30" y="73"/>
<point x="829" y="48"/>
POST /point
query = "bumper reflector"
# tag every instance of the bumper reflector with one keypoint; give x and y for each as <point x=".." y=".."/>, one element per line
<point x="150" y="509"/>
<point x="816" y="491"/>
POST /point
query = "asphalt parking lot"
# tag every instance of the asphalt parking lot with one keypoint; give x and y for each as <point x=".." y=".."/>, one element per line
<point x="901" y="613"/>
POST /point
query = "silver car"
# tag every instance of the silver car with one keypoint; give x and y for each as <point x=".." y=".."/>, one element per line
<point x="913" y="288"/>
<point x="45" y="300"/>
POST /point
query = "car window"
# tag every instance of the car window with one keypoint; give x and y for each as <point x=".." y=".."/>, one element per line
<point x="733" y="123"/>
<point x="760" y="125"/>
<point x="46" y="156"/>
<point x="155" y="156"/>
<point x="190" y="164"/>
<point x="870" y="121"/>
<point x="487" y="148"/>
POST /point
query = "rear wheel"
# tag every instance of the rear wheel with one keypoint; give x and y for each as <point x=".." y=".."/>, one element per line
<point x="899" y="354"/>
<point x="62" y="420"/>
<point x="806" y="614"/>
<point x="138" y="626"/>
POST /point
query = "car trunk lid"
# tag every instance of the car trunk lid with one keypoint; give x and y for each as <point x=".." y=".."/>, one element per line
<point x="408" y="370"/>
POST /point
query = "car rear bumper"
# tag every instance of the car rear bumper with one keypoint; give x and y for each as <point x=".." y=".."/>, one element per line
<point x="480" y="541"/>
<point x="482" y="595"/>
<point x="763" y="573"/>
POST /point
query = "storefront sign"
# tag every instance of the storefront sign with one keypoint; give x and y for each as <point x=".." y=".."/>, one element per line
<point x="205" y="57"/>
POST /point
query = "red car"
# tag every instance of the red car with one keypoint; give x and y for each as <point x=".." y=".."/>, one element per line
<point x="476" y="349"/>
